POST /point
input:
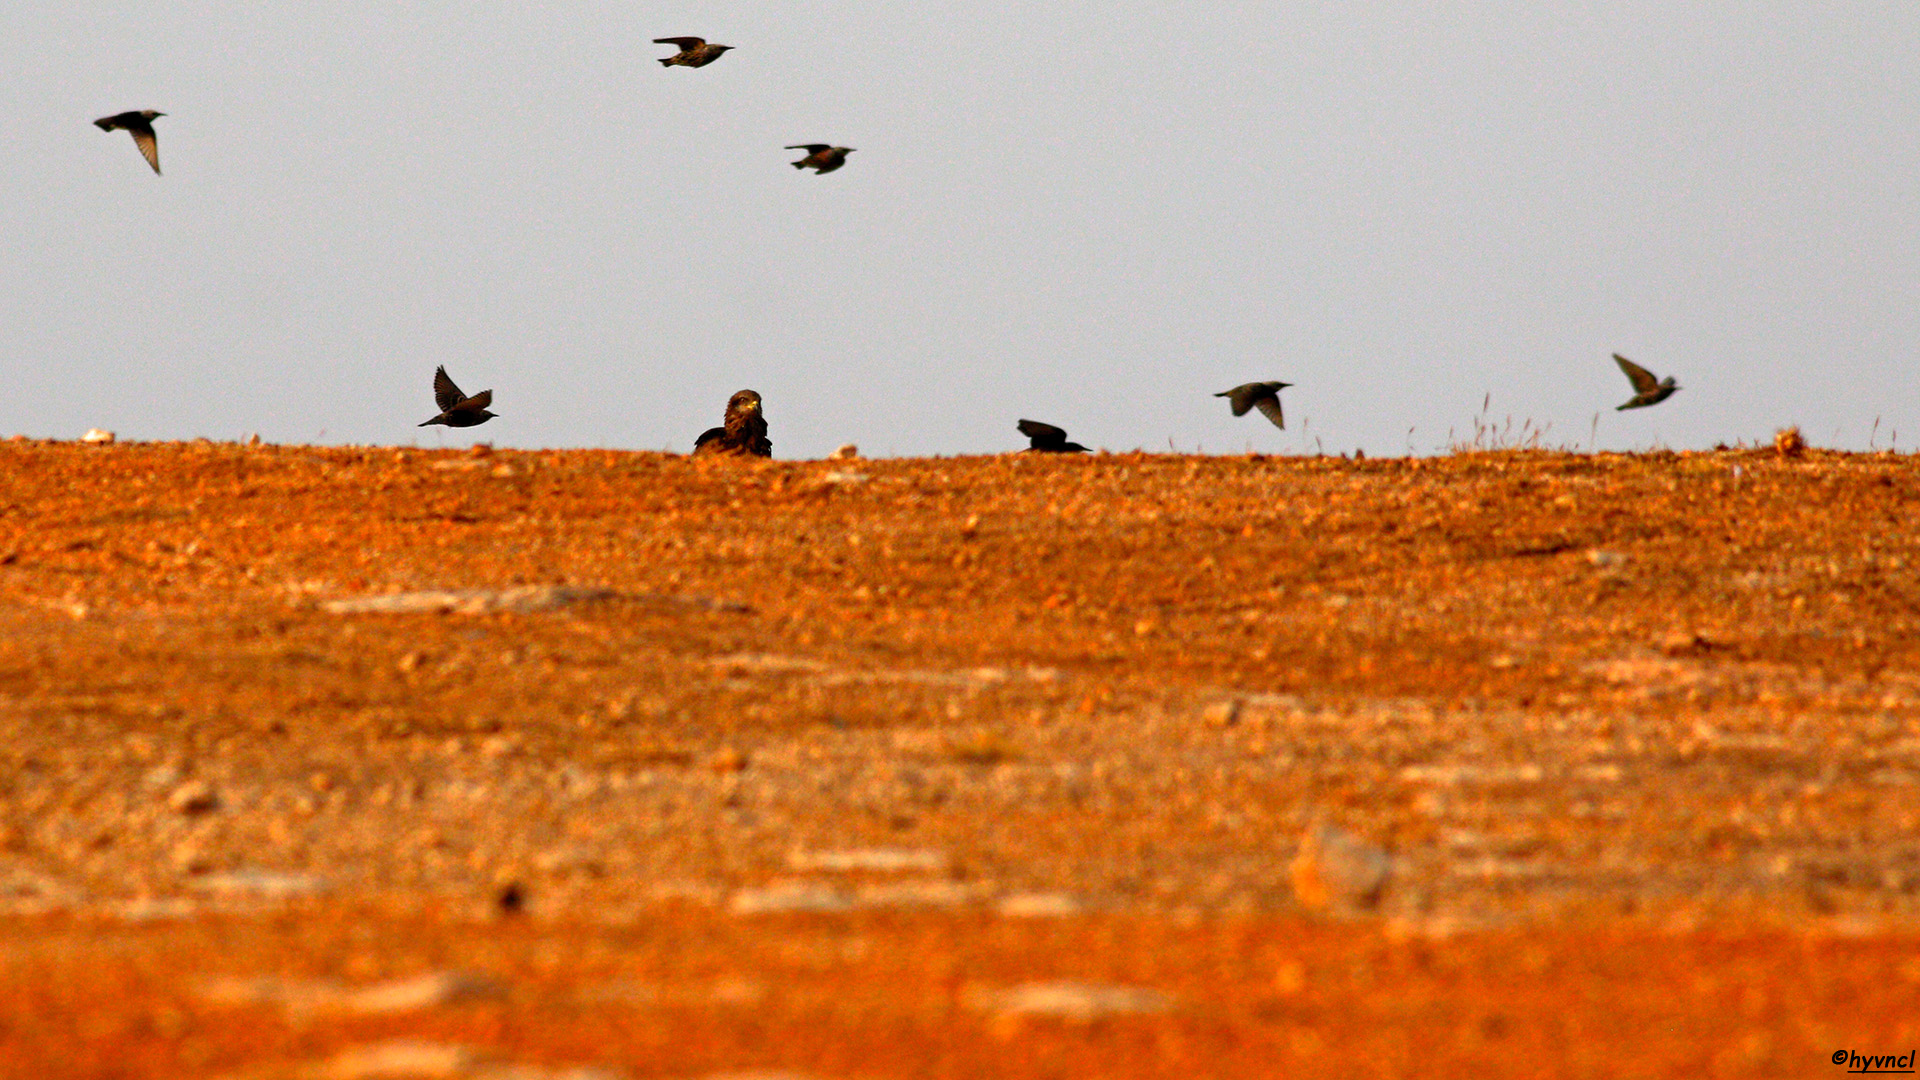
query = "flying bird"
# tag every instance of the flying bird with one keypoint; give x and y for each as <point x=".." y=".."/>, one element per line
<point x="1264" y="396"/>
<point x="822" y="158"/>
<point x="456" y="408"/>
<point x="1048" y="439"/>
<point x="745" y="431"/>
<point x="139" y="124"/>
<point x="694" y="52"/>
<point x="1647" y="391"/>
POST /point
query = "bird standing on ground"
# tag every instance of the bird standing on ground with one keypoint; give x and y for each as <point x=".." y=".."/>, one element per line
<point x="745" y="431"/>
<point x="1048" y="439"/>
<point x="1264" y="396"/>
<point x="1647" y="391"/>
<point x="694" y="52"/>
<point x="139" y="124"/>
<point x="456" y="408"/>
<point x="821" y="157"/>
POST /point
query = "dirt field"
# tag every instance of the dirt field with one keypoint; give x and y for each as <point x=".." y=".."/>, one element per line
<point x="370" y="762"/>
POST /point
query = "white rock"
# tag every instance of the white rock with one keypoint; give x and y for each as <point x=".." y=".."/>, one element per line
<point x="467" y="601"/>
<point x="1080" y="1002"/>
<point x="875" y="859"/>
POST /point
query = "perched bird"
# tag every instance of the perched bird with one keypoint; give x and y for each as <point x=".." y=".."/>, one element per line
<point x="694" y="52"/>
<point x="1646" y="390"/>
<point x="823" y="158"/>
<point x="1048" y="439"/>
<point x="1264" y="396"/>
<point x="139" y="124"/>
<point x="456" y="408"/>
<point x="745" y="431"/>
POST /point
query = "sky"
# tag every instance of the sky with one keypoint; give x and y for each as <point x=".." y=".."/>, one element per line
<point x="1098" y="215"/>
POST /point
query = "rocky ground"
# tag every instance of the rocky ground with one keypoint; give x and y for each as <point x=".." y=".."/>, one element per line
<point x="323" y="762"/>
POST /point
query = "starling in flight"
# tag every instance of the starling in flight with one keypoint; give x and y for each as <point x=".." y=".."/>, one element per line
<point x="1646" y="390"/>
<point x="821" y="157"/>
<point x="139" y="124"/>
<point x="1264" y="396"/>
<point x="1048" y="439"/>
<point x="456" y="408"/>
<point x="694" y="52"/>
<point x="745" y="431"/>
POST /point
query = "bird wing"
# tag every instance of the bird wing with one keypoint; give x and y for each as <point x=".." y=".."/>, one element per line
<point x="1042" y="434"/>
<point x="143" y="137"/>
<point x="685" y="43"/>
<point x="1269" y="407"/>
<point x="478" y="402"/>
<point x="1642" y="379"/>
<point x="445" y="394"/>
<point x="1240" y="398"/>
<point x="812" y="147"/>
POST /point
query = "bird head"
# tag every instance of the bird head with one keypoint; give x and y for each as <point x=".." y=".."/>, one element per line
<point x="151" y="113"/>
<point x="844" y="149"/>
<point x="718" y="49"/>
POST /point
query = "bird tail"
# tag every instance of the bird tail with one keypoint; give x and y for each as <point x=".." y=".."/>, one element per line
<point x="103" y="125"/>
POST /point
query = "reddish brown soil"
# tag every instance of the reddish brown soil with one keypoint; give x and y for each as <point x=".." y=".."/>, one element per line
<point x="811" y="763"/>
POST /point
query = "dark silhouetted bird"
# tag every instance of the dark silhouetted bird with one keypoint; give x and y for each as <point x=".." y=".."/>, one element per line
<point x="822" y="158"/>
<point x="694" y="52"/>
<point x="456" y="408"/>
<point x="1049" y="439"/>
<point x="1264" y="396"/>
<point x="139" y="124"/>
<point x="1647" y="391"/>
<point x="745" y="431"/>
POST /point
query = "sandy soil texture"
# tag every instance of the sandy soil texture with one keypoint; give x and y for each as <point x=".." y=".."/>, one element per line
<point x="323" y="762"/>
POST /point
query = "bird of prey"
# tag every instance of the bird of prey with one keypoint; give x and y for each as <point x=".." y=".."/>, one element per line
<point x="456" y="408"/>
<point x="694" y="52"/>
<point x="139" y="124"/>
<point x="1647" y="391"/>
<point x="821" y="157"/>
<point x="745" y="431"/>
<point x="1048" y="439"/>
<point x="1264" y="396"/>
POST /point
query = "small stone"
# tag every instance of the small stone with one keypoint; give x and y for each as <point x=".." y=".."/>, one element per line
<point x="1222" y="713"/>
<point x="267" y="884"/>
<point x="1605" y="560"/>
<point x="1038" y="906"/>
<point x="98" y="435"/>
<point x="794" y="896"/>
<point x="412" y="995"/>
<point x="194" y="797"/>
<point x="1788" y="442"/>
<point x="1337" y="871"/>
<point x="1074" y="1001"/>
<point x="873" y="859"/>
<point x="402" y="1059"/>
<point x="727" y="760"/>
<point x="845" y="452"/>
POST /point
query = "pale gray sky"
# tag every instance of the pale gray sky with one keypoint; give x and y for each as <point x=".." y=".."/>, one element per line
<point x="1092" y="214"/>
